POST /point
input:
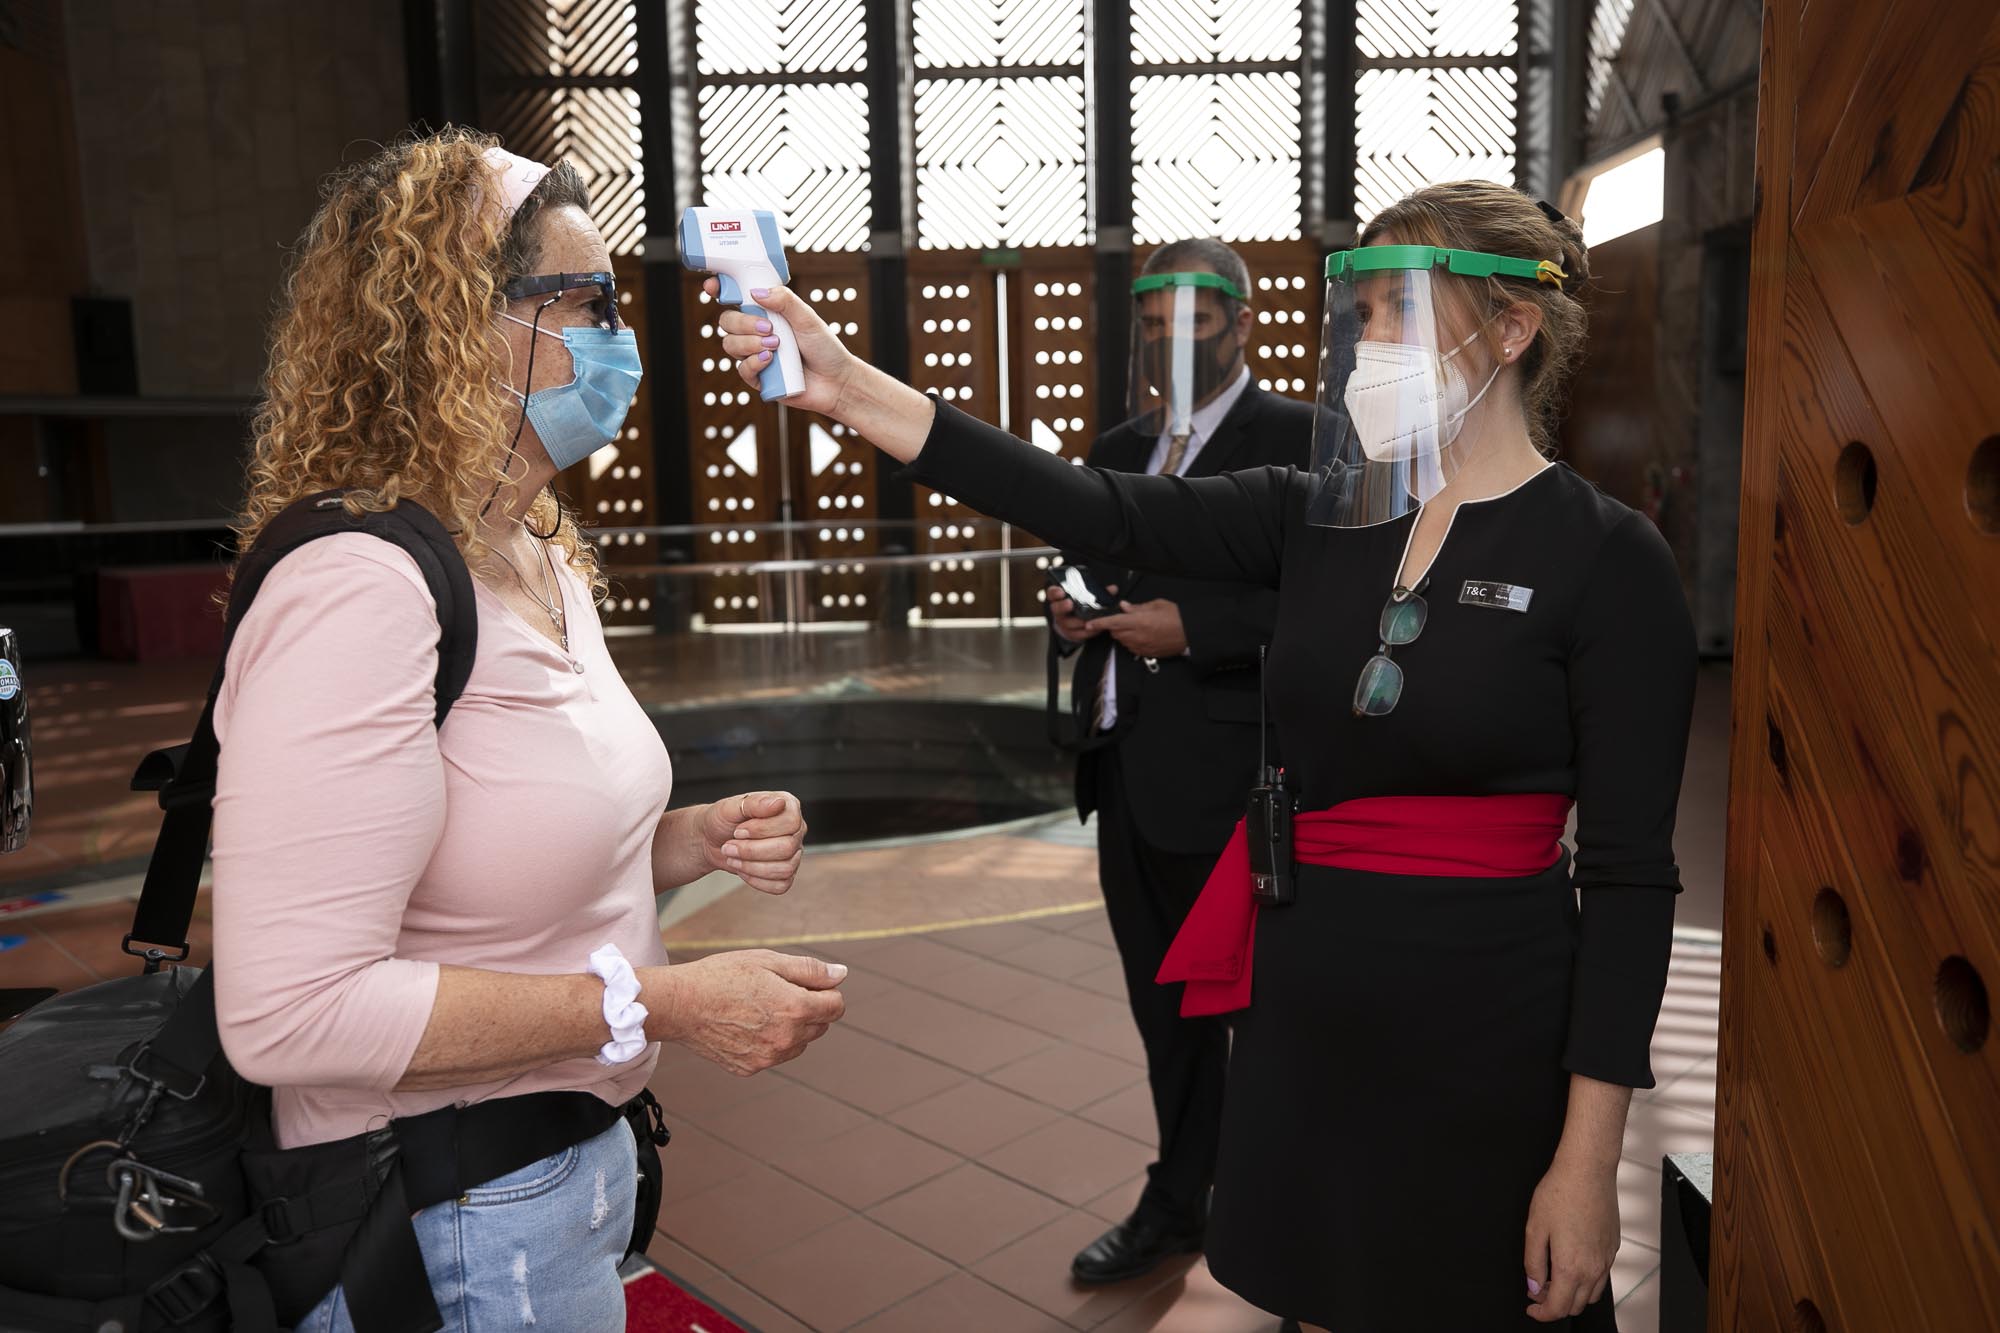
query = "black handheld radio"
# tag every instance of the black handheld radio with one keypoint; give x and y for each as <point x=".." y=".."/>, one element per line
<point x="1268" y="820"/>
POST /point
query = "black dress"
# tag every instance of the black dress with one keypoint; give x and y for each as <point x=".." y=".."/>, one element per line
<point x="1398" y="1084"/>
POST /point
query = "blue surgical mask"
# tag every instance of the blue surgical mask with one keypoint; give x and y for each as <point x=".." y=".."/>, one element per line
<point x="577" y="419"/>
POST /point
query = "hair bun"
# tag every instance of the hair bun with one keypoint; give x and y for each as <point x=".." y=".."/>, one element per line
<point x="1576" y="255"/>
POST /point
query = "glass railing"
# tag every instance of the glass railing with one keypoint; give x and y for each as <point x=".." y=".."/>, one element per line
<point x="864" y="669"/>
<point x="695" y="578"/>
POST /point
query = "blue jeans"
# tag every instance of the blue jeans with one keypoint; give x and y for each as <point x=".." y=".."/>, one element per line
<point x="537" y="1247"/>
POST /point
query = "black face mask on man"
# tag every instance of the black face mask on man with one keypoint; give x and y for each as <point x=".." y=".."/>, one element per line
<point x="1213" y="363"/>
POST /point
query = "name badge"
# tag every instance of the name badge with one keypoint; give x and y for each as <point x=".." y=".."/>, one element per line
<point x="1499" y="596"/>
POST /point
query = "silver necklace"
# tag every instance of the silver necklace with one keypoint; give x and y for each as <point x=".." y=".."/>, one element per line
<point x="548" y="598"/>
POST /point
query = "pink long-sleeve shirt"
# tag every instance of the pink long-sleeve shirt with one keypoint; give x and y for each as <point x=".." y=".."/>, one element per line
<point x="357" y="847"/>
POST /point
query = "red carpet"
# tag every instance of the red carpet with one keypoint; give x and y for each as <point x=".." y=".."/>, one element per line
<point x="655" y="1303"/>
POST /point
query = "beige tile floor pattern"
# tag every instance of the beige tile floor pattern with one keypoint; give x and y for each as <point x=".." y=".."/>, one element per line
<point x="934" y="1162"/>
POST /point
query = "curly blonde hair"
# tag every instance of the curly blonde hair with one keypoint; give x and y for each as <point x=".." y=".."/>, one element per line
<point x="385" y="377"/>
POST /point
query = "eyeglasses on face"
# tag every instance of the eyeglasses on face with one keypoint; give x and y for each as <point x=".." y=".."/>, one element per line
<point x="602" y="305"/>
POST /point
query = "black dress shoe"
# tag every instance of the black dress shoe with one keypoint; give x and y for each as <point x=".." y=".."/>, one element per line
<point x="1133" y="1248"/>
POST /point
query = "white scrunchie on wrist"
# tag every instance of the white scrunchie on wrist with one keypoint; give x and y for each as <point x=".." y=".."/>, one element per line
<point x="622" y="1010"/>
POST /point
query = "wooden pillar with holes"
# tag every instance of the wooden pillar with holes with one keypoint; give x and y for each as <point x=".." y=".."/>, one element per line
<point x="1858" y="1122"/>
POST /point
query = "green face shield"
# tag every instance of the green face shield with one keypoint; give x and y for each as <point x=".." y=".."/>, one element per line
<point x="1185" y="347"/>
<point x="1402" y="372"/>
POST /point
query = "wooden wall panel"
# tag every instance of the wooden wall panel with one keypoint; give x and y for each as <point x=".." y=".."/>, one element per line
<point x="733" y="474"/>
<point x="751" y="463"/>
<point x="1858" y="1182"/>
<point x="41" y="205"/>
<point x="204" y="129"/>
<point x="615" y="487"/>
<point x="1612" y="431"/>
<point x="955" y="353"/>
<point x="1288" y="284"/>
<point x="832" y="471"/>
<point x="1055" y="403"/>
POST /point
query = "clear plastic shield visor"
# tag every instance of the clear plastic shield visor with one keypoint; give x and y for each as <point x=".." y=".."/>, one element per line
<point x="1185" y="348"/>
<point x="1398" y="376"/>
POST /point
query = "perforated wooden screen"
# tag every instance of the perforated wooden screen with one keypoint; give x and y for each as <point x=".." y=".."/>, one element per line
<point x="752" y="466"/>
<point x="733" y="461"/>
<point x="615" y="487"/>
<point x="559" y="83"/>
<point x="834" y="471"/>
<point x="1287" y="292"/>
<point x="782" y="122"/>
<point x="955" y="353"/>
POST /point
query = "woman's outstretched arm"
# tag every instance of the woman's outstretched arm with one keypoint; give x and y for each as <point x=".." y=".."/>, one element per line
<point x="1225" y="527"/>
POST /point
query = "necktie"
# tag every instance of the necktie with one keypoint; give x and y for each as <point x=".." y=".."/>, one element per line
<point x="1176" y="454"/>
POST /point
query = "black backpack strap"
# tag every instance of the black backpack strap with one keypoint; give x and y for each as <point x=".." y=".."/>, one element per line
<point x="184" y="776"/>
<point x="430" y="1158"/>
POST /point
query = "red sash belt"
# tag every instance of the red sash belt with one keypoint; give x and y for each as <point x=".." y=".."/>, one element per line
<point x="1476" y="837"/>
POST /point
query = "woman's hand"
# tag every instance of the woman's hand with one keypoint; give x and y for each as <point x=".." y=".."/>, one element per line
<point x="745" y="1011"/>
<point x="759" y="837"/>
<point x="1572" y="1238"/>
<point x="885" y="412"/>
<point x="750" y="342"/>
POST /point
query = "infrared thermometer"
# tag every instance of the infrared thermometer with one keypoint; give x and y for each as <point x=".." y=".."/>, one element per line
<point x="740" y="246"/>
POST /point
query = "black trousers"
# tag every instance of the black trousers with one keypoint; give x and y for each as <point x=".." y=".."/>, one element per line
<point x="1147" y="894"/>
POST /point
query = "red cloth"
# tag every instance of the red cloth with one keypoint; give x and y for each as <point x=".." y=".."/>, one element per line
<point x="1475" y="837"/>
<point x="149" y="612"/>
<point x="655" y="1303"/>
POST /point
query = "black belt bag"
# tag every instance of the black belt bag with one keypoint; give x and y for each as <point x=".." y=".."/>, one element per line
<point x="146" y="1196"/>
<point x="340" y="1212"/>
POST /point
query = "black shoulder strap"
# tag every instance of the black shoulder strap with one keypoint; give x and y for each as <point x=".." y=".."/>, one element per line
<point x="184" y="776"/>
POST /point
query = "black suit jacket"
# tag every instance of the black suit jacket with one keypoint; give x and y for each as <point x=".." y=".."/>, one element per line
<point x="1186" y="735"/>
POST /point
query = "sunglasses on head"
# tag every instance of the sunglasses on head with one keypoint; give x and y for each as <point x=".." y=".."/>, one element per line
<point x="603" y="307"/>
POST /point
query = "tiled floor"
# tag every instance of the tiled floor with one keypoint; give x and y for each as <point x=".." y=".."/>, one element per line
<point x="934" y="1162"/>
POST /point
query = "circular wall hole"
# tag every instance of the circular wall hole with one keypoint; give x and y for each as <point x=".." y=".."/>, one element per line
<point x="1770" y="947"/>
<point x="1982" y="486"/>
<point x="1832" y="929"/>
<point x="1806" y="1318"/>
<point x="1854" y="482"/>
<point x="1910" y="856"/>
<point x="1960" y="997"/>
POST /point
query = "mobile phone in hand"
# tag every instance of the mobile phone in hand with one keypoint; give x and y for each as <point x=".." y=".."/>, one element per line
<point x="1088" y="595"/>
